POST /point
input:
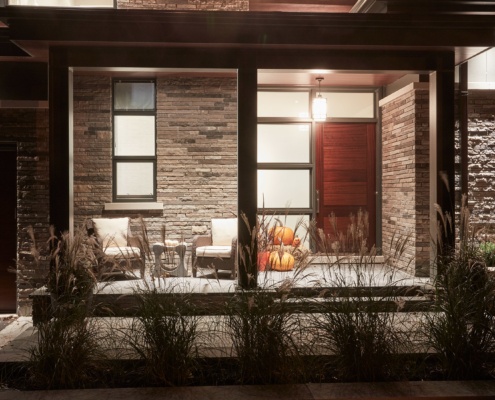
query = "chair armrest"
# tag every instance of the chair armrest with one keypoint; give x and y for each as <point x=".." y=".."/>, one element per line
<point x="201" y="240"/>
<point x="134" y="241"/>
<point x="233" y="251"/>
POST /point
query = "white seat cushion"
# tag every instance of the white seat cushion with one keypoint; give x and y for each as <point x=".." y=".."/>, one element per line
<point x="223" y="230"/>
<point x="126" y="251"/>
<point x="168" y="243"/>
<point x="111" y="232"/>
<point x="214" y="251"/>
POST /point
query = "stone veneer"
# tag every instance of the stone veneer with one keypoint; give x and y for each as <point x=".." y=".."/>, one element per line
<point x="185" y="5"/>
<point x="405" y="175"/>
<point x="29" y="129"/>
<point x="481" y="153"/>
<point x="196" y="153"/>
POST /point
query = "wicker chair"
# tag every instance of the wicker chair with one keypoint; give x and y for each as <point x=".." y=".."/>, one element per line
<point x="119" y="252"/>
<point x="217" y="251"/>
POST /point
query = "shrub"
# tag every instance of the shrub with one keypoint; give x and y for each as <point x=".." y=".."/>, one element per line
<point x="71" y="279"/>
<point x="487" y="250"/>
<point x="263" y="333"/>
<point x="355" y="316"/>
<point x="165" y="335"/>
<point x="67" y="354"/>
<point x="461" y="327"/>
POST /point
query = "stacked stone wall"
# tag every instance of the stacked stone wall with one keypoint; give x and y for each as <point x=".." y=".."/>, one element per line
<point x="196" y="153"/>
<point x="405" y="177"/>
<point x="481" y="153"/>
<point x="185" y="5"/>
<point x="28" y="128"/>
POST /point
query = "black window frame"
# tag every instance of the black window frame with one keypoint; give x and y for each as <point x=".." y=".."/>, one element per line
<point x="133" y="159"/>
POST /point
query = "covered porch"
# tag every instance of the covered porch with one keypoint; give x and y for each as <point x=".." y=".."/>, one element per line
<point x="206" y="161"/>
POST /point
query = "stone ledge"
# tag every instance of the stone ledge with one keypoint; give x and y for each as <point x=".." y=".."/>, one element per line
<point x="134" y="206"/>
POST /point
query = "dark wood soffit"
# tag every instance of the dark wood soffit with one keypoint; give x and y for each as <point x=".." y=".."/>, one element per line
<point x="316" y="6"/>
<point x="250" y="28"/>
<point x="38" y="50"/>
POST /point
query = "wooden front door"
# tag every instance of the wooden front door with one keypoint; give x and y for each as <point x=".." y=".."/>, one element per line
<point x="346" y="175"/>
<point x="8" y="233"/>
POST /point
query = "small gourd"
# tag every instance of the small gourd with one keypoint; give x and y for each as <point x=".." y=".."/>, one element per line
<point x="296" y="242"/>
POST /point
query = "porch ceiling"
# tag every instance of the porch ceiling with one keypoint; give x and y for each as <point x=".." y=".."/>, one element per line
<point x="35" y="30"/>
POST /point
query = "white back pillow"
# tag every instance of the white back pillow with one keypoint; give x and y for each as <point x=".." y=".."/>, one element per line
<point x="112" y="232"/>
<point x="223" y="230"/>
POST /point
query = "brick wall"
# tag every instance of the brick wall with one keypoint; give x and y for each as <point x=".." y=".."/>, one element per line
<point x="405" y="188"/>
<point x="92" y="146"/>
<point x="481" y="153"/>
<point x="196" y="152"/>
<point x="189" y="5"/>
<point x="29" y="129"/>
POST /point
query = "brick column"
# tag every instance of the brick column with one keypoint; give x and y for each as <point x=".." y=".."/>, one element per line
<point x="405" y="182"/>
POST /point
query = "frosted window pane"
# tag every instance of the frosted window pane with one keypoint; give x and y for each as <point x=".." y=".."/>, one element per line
<point x="283" y="143"/>
<point x="134" y="179"/>
<point x="283" y="188"/>
<point x="349" y="105"/>
<point x="283" y="104"/>
<point x="481" y="71"/>
<point x="134" y="96"/>
<point x="134" y="135"/>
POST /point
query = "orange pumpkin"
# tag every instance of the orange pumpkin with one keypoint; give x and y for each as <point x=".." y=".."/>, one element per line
<point x="283" y="234"/>
<point x="281" y="261"/>
<point x="296" y="242"/>
<point x="263" y="258"/>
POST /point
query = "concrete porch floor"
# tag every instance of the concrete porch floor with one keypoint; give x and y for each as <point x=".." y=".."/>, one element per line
<point x="314" y="275"/>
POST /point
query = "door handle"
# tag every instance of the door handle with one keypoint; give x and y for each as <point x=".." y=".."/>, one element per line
<point x="317" y="201"/>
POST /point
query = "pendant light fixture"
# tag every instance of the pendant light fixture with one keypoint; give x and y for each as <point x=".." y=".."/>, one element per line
<point x="319" y="104"/>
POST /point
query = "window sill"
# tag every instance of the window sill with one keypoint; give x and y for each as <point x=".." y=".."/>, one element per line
<point x="134" y="206"/>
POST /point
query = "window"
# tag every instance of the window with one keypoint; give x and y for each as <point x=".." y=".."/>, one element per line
<point x="285" y="165"/>
<point x="350" y="104"/>
<point x="134" y="141"/>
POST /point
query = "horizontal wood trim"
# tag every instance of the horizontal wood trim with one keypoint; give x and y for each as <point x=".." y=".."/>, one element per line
<point x="262" y="28"/>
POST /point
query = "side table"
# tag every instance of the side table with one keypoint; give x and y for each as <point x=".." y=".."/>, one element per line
<point x="170" y="245"/>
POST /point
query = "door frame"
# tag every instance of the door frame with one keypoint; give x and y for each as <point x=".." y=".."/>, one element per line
<point x="312" y="211"/>
<point x="378" y="95"/>
<point x="9" y="146"/>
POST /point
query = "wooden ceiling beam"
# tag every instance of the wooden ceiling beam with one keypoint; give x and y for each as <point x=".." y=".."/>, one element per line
<point x="302" y="8"/>
<point x="317" y="6"/>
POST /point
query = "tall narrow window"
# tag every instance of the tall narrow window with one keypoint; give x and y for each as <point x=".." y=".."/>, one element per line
<point x="134" y="140"/>
<point x="285" y="166"/>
